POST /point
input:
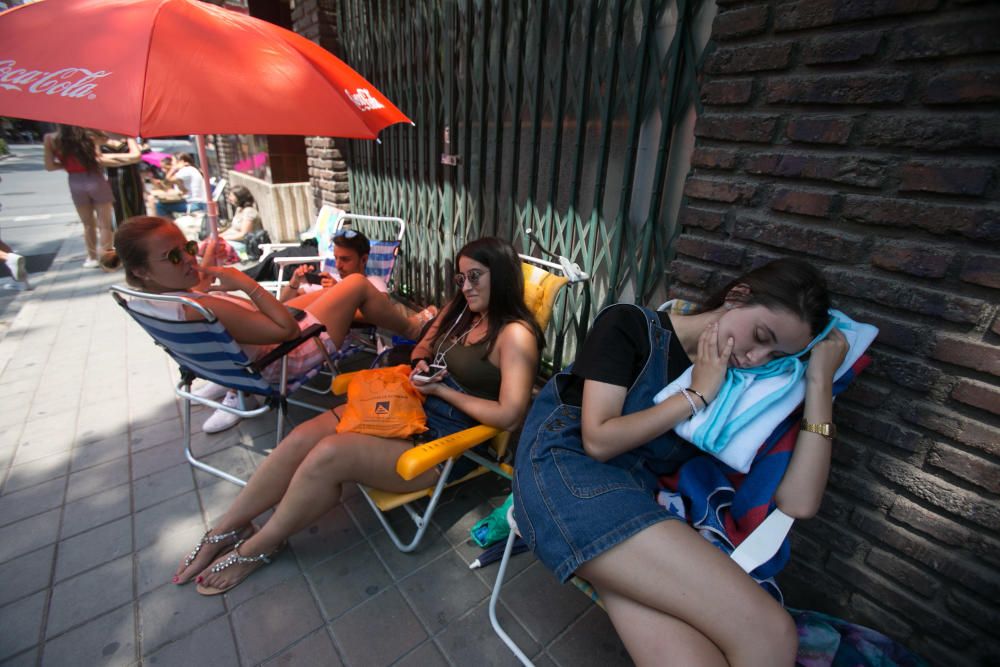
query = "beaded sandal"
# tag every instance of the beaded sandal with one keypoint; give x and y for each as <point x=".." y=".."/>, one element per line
<point x="235" y="558"/>
<point x="232" y="535"/>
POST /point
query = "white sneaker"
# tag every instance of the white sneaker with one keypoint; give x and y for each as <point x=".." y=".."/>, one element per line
<point x="210" y="391"/>
<point x="91" y="263"/>
<point x="220" y="420"/>
<point x="15" y="263"/>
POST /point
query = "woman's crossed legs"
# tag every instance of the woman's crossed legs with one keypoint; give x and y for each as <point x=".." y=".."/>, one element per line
<point x="676" y="599"/>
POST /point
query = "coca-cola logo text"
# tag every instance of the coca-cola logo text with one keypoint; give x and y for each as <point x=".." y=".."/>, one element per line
<point x="363" y="99"/>
<point x="66" y="82"/>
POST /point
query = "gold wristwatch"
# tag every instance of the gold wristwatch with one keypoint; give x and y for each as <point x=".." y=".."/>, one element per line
<point x="826" y="429"/>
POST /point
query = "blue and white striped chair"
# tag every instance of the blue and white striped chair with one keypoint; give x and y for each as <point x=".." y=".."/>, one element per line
<point x="205" y="349"/>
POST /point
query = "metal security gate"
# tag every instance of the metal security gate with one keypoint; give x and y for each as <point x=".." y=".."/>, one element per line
<point x="548" y="115"/>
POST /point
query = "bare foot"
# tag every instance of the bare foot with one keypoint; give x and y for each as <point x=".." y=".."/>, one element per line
<point x="420" y="320"/>
<point x="207" y="552"/>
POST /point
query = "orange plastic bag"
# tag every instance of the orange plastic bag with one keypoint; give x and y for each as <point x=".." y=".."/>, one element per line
<point x="383" y="402"/>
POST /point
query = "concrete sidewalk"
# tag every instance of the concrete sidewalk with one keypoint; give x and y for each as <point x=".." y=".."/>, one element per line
<point x="97" y="507"/>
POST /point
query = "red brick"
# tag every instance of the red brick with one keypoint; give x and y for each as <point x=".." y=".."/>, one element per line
<point x="815" y="13"/>
<point x="915" y="610"/>
<point x="838" y="245"/>
<point x="841" y="48"/>
<point x="917" y="260"/>
<point x="836" y="535"/>
<point x="715" y="190"/>
<point x="904" y="370"/>
<point x="847" y="169"/>
<point x="952" y="425"/>
<point x="710" y="250"/>
<point x="977" y="394"/>
<point x="726" y="91"/>
<point x="967" y="505"/>
<point x="819" y="129"/>
<point x="866" y="612"/>
<point x="937" y="40"/>
<point x="929" y="132"/>
<point x="699" y="217"/>
<point x="691" y="274"/>
<point x="945" y="178"/>
<point x="713" y="158"/>
<point x="757" y="128"/>
<point x="905" y="295"/>
<point x="901" y="334"/>
<point x="749" y="58"/>
<point x="967" y="87"/>
<point x="879" y="428"/>
<point x="864" y="392"/>
<point x="982" y="270"/>
<point x="969" y="467"/>
<point x="848" y="452"/>
<point x="870" y="491"/>
<point x="995" y="326"/>
<point x="974" y="222"/>
<point x="929" y="523"/>
<point x="802" y="202"/>
<point x="894" y="567"/>
<point x="838" y="89"/>
<point x="968" y="353"/>
<point x="740" y="22"/>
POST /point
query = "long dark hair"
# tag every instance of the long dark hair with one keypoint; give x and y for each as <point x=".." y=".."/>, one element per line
<point x="506" y="293"/>
<point x="78" y="142"/>
<point x="130" y="249"/>
<point x="789" y="284"/>
<point x="243" y="196"/>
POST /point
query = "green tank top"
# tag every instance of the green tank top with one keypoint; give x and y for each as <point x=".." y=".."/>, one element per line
<point x="469" y="367"/>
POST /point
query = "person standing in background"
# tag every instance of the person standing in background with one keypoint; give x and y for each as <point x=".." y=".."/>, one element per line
<point x="126" y="180"/>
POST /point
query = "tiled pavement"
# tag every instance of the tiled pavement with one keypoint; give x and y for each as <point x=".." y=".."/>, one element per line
<point x="97" y="506"/>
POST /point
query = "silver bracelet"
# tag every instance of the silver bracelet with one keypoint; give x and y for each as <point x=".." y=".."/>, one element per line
<point x="687" y="397"/>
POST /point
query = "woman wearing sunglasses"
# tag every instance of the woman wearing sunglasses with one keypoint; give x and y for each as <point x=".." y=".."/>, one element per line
<point x="489" y="342"/>
<point x="158" y="258"/>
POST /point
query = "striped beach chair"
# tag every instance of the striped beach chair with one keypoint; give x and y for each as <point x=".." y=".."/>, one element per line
<point x="205" y="349"/>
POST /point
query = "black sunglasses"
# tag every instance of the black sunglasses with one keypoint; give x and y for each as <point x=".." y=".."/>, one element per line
<point x="346" y="233"/>
<point x="472" y="276"/>
<point x="174" y="255"/>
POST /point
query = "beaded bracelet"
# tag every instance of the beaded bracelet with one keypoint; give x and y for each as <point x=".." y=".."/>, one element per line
<point x="687" y="397"/>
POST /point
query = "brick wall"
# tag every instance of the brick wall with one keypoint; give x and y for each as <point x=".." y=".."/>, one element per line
<point x="317" y="20"/>
<point x="864" y="135"/>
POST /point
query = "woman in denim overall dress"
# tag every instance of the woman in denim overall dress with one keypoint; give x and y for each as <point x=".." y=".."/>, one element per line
<point x="594" y="444"/>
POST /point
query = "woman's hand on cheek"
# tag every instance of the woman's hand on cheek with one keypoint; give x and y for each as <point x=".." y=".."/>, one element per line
<point x="710" y="363"/>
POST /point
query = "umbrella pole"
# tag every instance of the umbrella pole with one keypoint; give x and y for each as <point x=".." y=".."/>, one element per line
<point x="213" y="207"/>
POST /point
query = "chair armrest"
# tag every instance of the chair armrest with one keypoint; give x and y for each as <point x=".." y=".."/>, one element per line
<point x="339" y="385"/>
<point x="284" y="261"/>
<point x="288" y="346"/>
<point x="413" y="462"/>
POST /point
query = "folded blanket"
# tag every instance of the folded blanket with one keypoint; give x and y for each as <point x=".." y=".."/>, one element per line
<point x="753" y="401"/>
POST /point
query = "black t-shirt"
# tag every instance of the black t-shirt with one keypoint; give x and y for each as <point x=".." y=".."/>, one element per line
<point x="616" y="350"/>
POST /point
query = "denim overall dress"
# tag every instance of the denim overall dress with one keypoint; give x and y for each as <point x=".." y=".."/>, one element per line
<point x="570" y="507"/>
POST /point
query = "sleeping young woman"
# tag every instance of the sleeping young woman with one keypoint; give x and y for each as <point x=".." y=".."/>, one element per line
<point x="595" y="443"/>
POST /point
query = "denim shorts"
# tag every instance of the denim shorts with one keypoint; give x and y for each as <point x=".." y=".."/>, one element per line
<point x="570" y="507"/>
<point x="443" y="419"/>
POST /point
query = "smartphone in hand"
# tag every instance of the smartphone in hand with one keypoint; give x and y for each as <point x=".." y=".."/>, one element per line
<point x="435" y="371"/>
<point x="313" y="278"/>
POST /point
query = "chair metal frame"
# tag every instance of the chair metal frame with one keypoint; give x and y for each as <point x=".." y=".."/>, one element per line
<point x="237" y="372"/>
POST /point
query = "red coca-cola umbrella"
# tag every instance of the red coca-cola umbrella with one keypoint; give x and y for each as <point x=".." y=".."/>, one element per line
<point x="155" y="68"/>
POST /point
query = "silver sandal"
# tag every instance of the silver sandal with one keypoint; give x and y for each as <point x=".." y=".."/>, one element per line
<point x="214" y="539"/>
<point x="234" y="558"/>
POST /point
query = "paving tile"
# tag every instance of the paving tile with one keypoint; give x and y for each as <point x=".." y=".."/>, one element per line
<point x="14" y="412"/>
<point x="233" y="460"/>
<point x="37" y="471"/>
<point x="348" y="579"/>
<point x="211" y="643"/>
<point x="541" y="603"/>
<point x="41" y="443"/>
<point x="282" y="568"/>
<point x="90" y="594"/>
<point x="89" y="454"/>
<point x="26" y="574"/>
<point x="401" y="564"/>
<point x="94" y="547"/>
<point x="163" y="522"/>
<point x="386" y="616"/>
<point x="106" y="640"/>
<point x="162" y="485"/>
<point x="27" y="659"/>
<point x="274" y="620"/>
<point x="157" y="458"/>
<point x="331" y="534"/>
<point x="170" y="612"/>
<point x="61" y="406"/>
<point x="16" y="385"/>
<point x="21" y="622"/>
<point x="158" y="562"/>
<point x="90" y="511"/>
<point x="590" y="641"/>
<point x="97" y="478"/>
<point x="471" y="640"/>
<point x="314" y="649"/>
<point x="443" y="590"/>
<point x="33" y="500"/>
<point x="155" y="434"/>
<point x="425" y="655"/>
<point x="217" y="497"/>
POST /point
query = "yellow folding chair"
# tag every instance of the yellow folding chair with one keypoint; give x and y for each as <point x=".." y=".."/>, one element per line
<point x="541" y="288"/>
